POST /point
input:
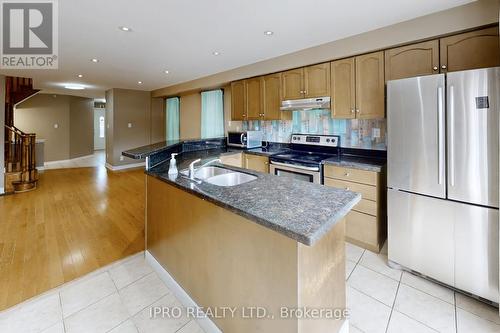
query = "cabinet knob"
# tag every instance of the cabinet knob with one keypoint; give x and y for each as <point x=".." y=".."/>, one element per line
<point x="347" y="174"/>
<point x="357" y="110"/>
<point x="443" y="67"/>
<point x="435" y="68"/>
<point x="352" y="110"/>
<point x="347" y="188"/>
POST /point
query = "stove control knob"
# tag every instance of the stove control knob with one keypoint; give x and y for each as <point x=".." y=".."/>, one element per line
<point x="327" y="140"/>
<point x="294" y="138"/>
<point x="298" y="138"/>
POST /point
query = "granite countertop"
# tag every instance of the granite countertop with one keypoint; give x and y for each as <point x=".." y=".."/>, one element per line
<point x="358" y="162"/>
<point x="259" y="151"/>
<point x="288" y="206"/>
<point x="145" y="151"/>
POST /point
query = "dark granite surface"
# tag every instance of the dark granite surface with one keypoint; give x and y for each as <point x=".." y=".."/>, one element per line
<point x="300" y="210"/>
<point x="187" y="145"/>
<point x="357" y="162"/>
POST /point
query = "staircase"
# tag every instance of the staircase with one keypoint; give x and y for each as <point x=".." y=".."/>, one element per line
<point x="20" y="164"/>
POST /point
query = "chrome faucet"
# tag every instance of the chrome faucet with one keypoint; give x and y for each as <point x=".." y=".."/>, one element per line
<point x="192" y="164"/>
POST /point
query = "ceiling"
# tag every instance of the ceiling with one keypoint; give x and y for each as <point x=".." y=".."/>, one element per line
<point x="181" y="36"/>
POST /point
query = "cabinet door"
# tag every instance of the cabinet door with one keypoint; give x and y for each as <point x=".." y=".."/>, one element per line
<point x="412" y="60"/>
<point x="475" y="49"/>
<point x="253" y="98"/>
<point x="238" y="100"/>
<point x="257" y="163"/>
<point x="343" y="88"/>
<point x="292" y="84"/>
<point x="317" y="80"/>
<point x="370" y="86"/>
<point x="271" y="90"/>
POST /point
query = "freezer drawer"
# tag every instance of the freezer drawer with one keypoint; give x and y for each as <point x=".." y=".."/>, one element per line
<point x="420" y="234"/>
<point x="416" y="135"/>
<point x="473" y="121"/>
<point x="476" y="250"/>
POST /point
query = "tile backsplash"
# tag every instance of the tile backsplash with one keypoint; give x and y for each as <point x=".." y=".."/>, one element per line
<point x="354" y="133"/>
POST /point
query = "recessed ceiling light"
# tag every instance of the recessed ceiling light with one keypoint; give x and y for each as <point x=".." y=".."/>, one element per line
<point x="268" y="33"/>
<point x="216" y="53"/>
<point x="94" y="60"/>
<point x="80" y="75"/>
<point x="166" y="72"/>
<point x="74" y="86"/>
<point x="139" y="82"/>
<point x="127" y="29"/>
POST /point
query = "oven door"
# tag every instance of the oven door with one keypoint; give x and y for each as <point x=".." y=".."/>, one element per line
<point x="308" y="174"/>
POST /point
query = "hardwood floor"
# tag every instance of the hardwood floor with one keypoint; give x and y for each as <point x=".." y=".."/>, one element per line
<point x="75" y="222"/>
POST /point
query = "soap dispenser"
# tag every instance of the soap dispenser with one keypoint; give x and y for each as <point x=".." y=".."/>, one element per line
<point x="172" y="170"/>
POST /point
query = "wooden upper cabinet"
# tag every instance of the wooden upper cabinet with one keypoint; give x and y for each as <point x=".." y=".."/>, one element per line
<point x="475" y="49"/>
<point x="343" y="88"/>
<point x="253" y="98"/>
<point x="292" y="84"/>
<point x="238" y="100"/>
<point x="317" y="80"/>
<point x="370" y="86"/>
<point x="412" y="60"/>
<point x="271" y="95"/>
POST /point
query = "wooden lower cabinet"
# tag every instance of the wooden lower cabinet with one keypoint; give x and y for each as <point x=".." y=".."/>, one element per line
<point x="366" y="224"/>
<point x="233" y="159"/>
<point x="256" y="163"/>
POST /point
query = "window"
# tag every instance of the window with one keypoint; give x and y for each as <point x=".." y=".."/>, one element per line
<point x="212" y="114"/>
<point x="101" y="126"/>
<point x="172" y="115"/>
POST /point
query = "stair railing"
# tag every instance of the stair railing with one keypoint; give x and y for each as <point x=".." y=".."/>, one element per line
<point x="20" y="153"/>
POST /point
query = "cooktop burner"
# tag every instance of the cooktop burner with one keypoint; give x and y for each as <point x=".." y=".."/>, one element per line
<point x="310" y="150"/>
<point x="301" y="156"/>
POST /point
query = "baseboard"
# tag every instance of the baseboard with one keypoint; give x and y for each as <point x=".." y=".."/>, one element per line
<point x="205" y="323"/>
<point x="126" y="166"/>
<point x="69" y="160"/>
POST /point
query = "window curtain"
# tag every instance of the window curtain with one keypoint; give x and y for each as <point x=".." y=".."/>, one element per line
<point x="172" y="128"/>
<point x="212" y="114"/>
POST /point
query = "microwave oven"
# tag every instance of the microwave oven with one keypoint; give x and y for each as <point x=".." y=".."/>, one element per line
<point x="247" y="139"/>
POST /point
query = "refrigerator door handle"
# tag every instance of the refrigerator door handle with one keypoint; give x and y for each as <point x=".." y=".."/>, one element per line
<point x="440" y="135"/>
<point x="452" y="136"/>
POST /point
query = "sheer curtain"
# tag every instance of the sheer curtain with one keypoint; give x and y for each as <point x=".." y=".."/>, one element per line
<point x="212" y="114"/>
<point x="172" y="128"/>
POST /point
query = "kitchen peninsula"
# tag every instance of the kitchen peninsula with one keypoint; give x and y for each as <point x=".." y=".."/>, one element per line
<point x="272" y="242"/>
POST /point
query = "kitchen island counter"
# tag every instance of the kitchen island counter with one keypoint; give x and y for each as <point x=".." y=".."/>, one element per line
<point x="300" y="210"/>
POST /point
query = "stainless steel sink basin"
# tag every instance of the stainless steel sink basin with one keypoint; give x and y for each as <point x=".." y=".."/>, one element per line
<point x="232" y="178"/>
<point x="220" y="176"/>
<point x="207" y="172"/>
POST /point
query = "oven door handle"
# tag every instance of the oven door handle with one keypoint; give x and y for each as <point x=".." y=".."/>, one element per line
<point x="295" y="166"/>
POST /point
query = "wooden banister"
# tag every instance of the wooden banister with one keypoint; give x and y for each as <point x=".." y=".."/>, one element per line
<point x="20" y="157"/>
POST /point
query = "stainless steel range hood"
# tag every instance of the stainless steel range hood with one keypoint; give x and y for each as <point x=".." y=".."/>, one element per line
<point x="305" y="104"/>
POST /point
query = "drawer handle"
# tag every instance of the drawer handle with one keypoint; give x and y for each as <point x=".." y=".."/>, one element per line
<point x="347" y="188"/>
<point x="347" y="174"/>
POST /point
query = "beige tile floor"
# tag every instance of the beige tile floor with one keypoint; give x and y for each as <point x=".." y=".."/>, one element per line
<point x="382" y="299"/>
<point x="118" y="299"/>
<point x="98" y="159"/>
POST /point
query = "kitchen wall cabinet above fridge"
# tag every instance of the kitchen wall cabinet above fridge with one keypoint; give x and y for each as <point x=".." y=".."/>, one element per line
<point x="470" y="50"/>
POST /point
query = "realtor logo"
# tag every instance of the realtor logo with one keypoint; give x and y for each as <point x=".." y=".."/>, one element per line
<point x="29" y="34"/>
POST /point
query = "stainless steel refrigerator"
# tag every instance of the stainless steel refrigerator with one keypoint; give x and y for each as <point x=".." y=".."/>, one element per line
<point x="443" y="178"/>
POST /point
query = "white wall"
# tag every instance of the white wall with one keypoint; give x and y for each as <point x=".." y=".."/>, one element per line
<point x="2" y="131"/>
<point x="99" y="143"/>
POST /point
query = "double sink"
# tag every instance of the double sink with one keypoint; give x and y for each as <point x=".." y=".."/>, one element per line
<point x="220" y="176"/>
